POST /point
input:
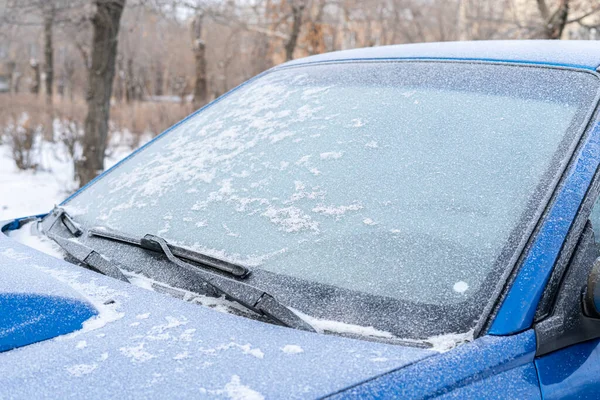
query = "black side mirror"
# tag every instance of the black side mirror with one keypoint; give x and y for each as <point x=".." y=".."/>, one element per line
<point x="575" y="316"/>
<point x="591" y="293"/>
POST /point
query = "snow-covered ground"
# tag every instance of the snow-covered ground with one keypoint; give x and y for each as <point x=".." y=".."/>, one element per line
<point x="24" y="193"/>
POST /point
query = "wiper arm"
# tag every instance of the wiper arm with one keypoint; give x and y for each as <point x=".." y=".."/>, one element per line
<point x="249" y="296"/>
<point x="234" y="269"/>
<point x="79" y="251"/>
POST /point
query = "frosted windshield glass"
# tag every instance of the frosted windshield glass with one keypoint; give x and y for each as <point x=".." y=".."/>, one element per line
<point x="402" y="180"/>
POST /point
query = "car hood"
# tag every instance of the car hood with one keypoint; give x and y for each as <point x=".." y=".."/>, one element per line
<point x="145" y="344"/>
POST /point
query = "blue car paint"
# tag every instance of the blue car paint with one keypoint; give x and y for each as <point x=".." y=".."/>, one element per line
<point x="571" y="373"/>
<point x="27" y="318"/>
<point x="503" y="362"/>
<point x="518" y="309"/>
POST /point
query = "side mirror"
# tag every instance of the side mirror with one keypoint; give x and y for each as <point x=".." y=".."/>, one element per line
<point x="591" y="293"/>
<point x="575" y="316"/>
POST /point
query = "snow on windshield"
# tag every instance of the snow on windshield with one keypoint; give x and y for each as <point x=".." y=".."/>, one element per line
<point x="397" y="180"/>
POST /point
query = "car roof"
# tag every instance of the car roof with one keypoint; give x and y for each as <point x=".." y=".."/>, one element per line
<point x="567" y="53"/>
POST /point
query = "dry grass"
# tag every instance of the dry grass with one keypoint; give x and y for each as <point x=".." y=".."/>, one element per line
<point x="137" y="117"/>
<point x="148" y="117"/>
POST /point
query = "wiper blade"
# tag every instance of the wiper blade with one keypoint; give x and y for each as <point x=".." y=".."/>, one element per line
<point x="79" y="251"/>
<point x="249" y="296"/>
<point x="234" y="269"/>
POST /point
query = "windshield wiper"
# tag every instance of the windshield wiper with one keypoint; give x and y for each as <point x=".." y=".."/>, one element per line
<point x="82" y="253"/>
<point x="249" y="296"/>
<point x="234" y="269"/>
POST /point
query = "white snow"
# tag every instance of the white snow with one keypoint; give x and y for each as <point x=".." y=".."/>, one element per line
<point x="25" y="193"/>
<point x="336" y="211"/>
<point x="38" y="242"/>
<point x="182" y="356"/>
<point x="331" y="155"/>
<point x="369" y="221"/>
<point x="323" y="325"/>
<point x="236" y="391"/>
<point x="292" y="349"/>
<point x="444" y="343"/>
<point x="15" y="255"/>
<point x="82" y="344"/>
<point x="79" y="370"/>
<point x="137" y="354"/>
<point x="291" y="219"/>
<point x="357" y="123"/>
<point x="244" y="348"/>
<point x="460" y="287"/>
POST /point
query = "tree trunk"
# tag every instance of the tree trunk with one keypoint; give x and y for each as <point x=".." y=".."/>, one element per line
<point x="35" y="83"/>
<point x="200" y="87"/>
<point x="555" y="23"/>
<point x="49" y="70"/>
<point x="105" y="23"/>
<point x="290" y="46"/>
<point x="48" y="56"/>
<point x="159" y="81"/>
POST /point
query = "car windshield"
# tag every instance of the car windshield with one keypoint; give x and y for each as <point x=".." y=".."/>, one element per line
<point x="384" y="194"/>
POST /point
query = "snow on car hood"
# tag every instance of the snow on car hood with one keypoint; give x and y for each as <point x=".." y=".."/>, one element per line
<point x="145" y="344"/>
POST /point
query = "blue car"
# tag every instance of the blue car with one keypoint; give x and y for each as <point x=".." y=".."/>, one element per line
<point x="415" y="221"/>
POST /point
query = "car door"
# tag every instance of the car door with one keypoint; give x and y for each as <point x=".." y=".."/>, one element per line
<point x="571" y="371"/>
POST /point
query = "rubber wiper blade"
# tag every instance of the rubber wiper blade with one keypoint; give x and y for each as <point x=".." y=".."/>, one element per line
<point x="249" y="296"/>
<point x="229" y="267"/>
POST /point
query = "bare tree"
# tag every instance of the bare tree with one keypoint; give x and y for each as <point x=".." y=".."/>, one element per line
<point x="105" y="22"/>
<point x="199" y="48"/>
<point x="297" y="11"/>
<point x="48" y="53"/>
<point x="554" y="22"/>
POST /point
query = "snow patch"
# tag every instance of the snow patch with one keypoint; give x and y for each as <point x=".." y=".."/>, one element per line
<point x="444" y="343"/>
<point x="15" y="255"/>
<point x="292" y="349"/>
<point x="245" y="348"/>
<point x="331" y="155"/>
<point x="236" y="391"/>
<point x="41" y="243"/>
<point x="460" y="287"/>
<point x="81" y="369"/>
<point x="323" y="325"/>
<point x="182" y="356"/>
<point x="291" y="219"/>
<point x="357" y="123"/>
<point x="137" y="354"/>
<point x="336" y="211"/>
